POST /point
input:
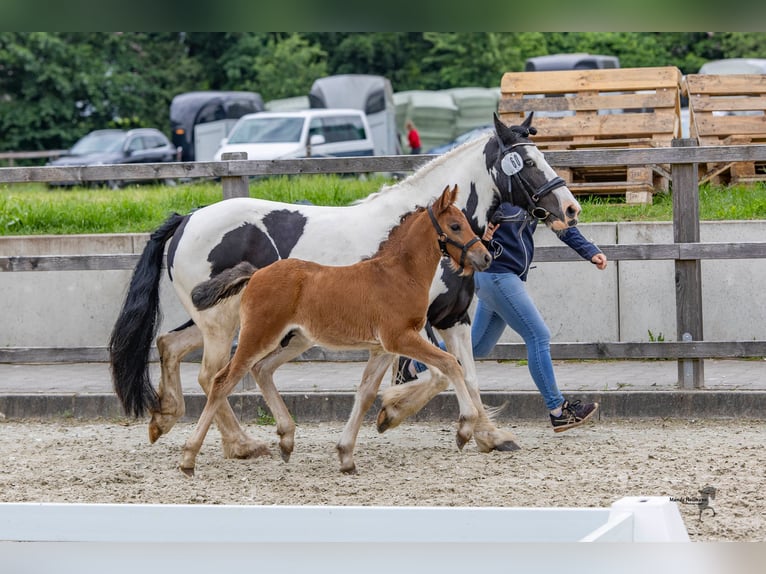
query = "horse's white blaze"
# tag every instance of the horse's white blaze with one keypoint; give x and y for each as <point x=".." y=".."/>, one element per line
<point x="566" y="198"/>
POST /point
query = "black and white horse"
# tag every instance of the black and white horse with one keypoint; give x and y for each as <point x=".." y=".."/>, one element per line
<point x="503" y="166"/>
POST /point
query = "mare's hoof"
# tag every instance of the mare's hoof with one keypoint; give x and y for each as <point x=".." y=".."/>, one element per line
<point x="351" y="471"/>
<point x="460" y="441"/>
<point x="507" y="446"/>
<point x="155" y="432"/>
<point x="188" y="471"/>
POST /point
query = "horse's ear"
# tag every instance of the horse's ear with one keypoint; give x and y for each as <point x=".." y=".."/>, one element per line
<point x="527" y="123"/>
<point x="444" y="201"/>
<point x="453" y="195"/>
<point x="503" y="132"/>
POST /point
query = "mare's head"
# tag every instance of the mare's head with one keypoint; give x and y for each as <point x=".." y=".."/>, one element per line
<point x="457" y="240"/>
<point x="525" y="178"/>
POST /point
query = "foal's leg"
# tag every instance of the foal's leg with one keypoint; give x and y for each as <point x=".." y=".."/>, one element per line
<point x="487" y="436"/>
<point x="236" y="442"/>
<point x="376" y="368"/>
<point x="223" y="383"/>
<point x="263" y="372"/>
<point x="172" y="347"/>
<point x="401" y="401"/>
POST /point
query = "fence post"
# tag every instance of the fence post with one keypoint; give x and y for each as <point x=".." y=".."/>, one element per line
<point x="235" y="185"/>
<point x="686" y="229"/>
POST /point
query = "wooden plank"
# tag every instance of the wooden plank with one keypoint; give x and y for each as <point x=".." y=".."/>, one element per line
<point x="643" y="156"/>
<point x="686" y="229"/>
<point x="603" y="126"/>
<point x="720" y="127"/>
<point x="577" y="102"/>
<point x="628" y="252"/>
<point x="69" y="262"/>
<point x="40" y="154"/>
<point x="561" y="158"/>
<point x="638" y="350"/>
<point x="504" y="351"/>
<point x="725" y="84"/>
<point x="211" y="169"/>
<point x="604" y="80"/>
<point x="706" y="104"/>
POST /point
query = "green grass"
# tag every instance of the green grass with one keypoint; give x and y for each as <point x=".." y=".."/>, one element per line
<point x="33" y="209"/>
<point x="716" y="203"/>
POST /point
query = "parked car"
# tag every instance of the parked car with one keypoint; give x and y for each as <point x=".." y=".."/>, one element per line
<point x="102" y="147"/>
<point x="462" y="138"/>
<point x="306" y="133"/>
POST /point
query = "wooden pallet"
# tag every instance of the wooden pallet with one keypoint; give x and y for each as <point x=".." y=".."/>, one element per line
<point x="716" y="106"/>
<point x="606" y="108"/>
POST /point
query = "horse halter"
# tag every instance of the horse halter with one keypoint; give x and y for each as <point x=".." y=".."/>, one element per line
<point x="443" y="240"/>
<point x="512" y="165"/>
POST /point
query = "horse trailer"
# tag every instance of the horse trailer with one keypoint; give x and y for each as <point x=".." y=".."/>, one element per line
<point x="200" y="120"/>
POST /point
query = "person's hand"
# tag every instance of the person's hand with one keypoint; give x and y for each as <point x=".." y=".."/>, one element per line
<point x="599" y="260"/>
<point x="489" y="231"/>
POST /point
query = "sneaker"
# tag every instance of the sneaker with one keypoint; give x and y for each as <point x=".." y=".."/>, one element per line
<point x="573" y="415"/>
<point x="403" y="373"/>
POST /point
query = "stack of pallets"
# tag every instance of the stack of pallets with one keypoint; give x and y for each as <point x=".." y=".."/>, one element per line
<point x="728" y="110"/>
<point x="602" y="108"/>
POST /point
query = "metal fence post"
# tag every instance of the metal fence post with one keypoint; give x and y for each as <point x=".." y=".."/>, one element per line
<point x="235" y="185"/>
<point x="688" y="272"/>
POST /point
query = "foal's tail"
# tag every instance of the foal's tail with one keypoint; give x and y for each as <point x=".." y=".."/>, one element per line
<point x="136" y="326"/>
<point x="222" y="286"/>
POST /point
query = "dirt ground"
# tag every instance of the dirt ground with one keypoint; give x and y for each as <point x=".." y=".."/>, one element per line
<point x="416" y="464"/>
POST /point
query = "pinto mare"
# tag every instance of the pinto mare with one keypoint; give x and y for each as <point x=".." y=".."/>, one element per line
<point x="378" y="304"/>
<point x="505" y="165"/>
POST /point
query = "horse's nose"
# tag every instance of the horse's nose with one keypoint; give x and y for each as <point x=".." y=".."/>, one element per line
<point x="572" y="211"/>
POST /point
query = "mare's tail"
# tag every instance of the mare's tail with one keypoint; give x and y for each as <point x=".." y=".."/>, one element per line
<point x="222" y="286"/>
<point x="137" y="324"/>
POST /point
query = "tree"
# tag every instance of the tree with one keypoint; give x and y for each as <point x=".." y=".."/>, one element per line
<point x="288" y="67"/>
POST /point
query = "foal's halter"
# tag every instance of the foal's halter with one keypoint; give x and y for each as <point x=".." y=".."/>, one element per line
<point x="444" y="240"/>
<point x="512" y="166"/>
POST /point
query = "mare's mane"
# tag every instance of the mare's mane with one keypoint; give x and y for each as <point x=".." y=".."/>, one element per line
<point x="423" y="171"/>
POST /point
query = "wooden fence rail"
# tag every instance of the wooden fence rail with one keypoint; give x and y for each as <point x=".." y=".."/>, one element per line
<point x="686" y="250"/>
<point x="12" y="156"/>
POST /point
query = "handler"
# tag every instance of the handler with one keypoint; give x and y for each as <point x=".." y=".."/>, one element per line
<point x="503" y="300"/>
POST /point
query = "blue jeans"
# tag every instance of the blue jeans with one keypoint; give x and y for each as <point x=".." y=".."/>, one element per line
<point x="503" y="300"/>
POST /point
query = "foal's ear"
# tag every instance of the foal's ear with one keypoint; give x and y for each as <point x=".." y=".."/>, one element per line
<point x="446" y="199"/>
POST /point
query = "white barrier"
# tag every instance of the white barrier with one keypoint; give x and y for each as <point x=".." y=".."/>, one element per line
<point x="129" y="538"/>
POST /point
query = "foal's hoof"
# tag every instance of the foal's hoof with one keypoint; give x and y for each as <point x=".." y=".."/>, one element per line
<point x="507" y="446"/>
<point x="188" y="471"/>
<point x="285" y="455"/>
<point x="383" y="422"/>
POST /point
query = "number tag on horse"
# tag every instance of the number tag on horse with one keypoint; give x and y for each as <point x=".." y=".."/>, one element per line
<point x="511" y="163"/>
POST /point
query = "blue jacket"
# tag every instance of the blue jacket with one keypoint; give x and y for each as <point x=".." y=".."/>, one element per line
<point x="512" y="246"/>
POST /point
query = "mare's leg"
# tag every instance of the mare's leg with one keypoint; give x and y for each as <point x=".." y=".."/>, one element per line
<point x="376" y="368"/>
<point x="487" y="436"/>
<point x="172" y="347"/>
<point x="401" y="401"/>
<point x="263" y="372"/>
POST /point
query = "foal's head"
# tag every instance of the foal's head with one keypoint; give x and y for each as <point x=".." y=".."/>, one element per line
<point x="457" y="240"/>
<point x="525" y="178"/>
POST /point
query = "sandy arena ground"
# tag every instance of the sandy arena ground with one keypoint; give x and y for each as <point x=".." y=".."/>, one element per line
<point x="416" y="464"/>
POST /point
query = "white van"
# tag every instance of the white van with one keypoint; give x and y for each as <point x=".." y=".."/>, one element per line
<point x="305" y="133"/>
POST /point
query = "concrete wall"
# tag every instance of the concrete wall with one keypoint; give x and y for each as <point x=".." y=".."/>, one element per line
<point x="580" y="304"/>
